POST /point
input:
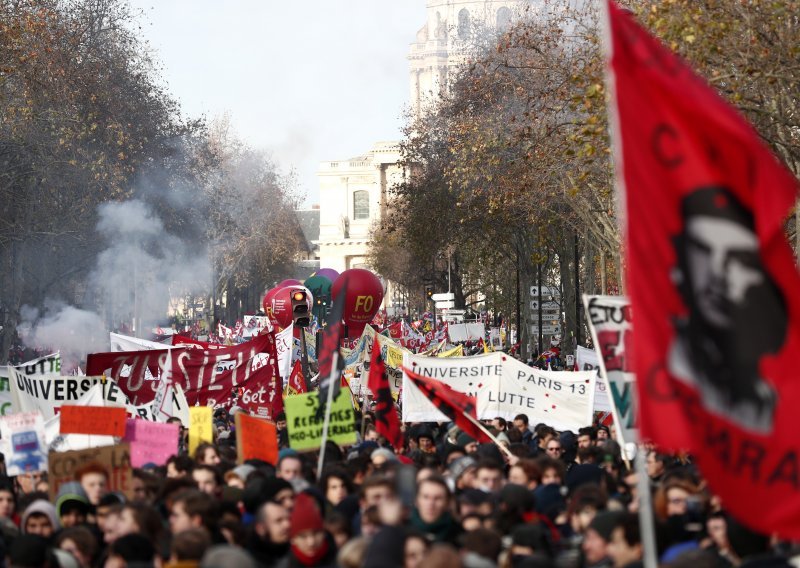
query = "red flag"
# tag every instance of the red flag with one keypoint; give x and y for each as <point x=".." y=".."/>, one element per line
<point x="297" y="384"/>
<point x="387" y="423"/>
<point x="712" y="279"/>
<point x="453" y="404"/>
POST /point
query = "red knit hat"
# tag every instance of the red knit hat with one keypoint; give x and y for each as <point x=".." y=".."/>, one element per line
<point x="305" y="515"/>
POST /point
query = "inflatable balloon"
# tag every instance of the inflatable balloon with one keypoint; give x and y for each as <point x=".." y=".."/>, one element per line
<point x="289" y="282"/>
<point x="267" y="303"/>
<point x="328" y="273"/>
<point x="281" y="305"/>
<point x="363" y="298"/>
<point x="320" y="287"/>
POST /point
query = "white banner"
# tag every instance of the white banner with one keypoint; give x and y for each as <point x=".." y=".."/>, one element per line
<point x="586" y="359"/>
<point x="46" y="393"/>
<point x="465" y="332"/>
<point x="253" y="325"/>
<point x="503" y="387"/>
<point x="6" y="404"/>
<point x="126" y="343"/>
<point x="284" y="345"/>
<point x="609" y="320"/>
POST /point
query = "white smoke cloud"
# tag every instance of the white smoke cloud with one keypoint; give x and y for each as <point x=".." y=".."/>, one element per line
<point x="143" y="267"/>
<point x="72" y="331"/>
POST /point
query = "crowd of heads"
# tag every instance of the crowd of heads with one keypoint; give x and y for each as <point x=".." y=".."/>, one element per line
<point x="555" y="498"/>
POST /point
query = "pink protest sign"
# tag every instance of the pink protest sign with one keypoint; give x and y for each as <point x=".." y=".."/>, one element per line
<point x="151" y="442"/>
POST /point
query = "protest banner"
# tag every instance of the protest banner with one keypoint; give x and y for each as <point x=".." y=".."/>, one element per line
<point x="100" y="420"/>
<point x="256" y="438"/>
<point x="151" y="442"/>
<point x="305" y="427"/>
<point x="47" y="393"/>
<point x="200" y="427"/>
<point x="503" y="387"/>
<point x="22" y="442"/>
<point x="458" y="332"/>
<point x="207" y="376"/>
<point x="284" y="346"/>
<point x="115" y="459"/>
<point x="49" y="364"/>
<point x="6" y="402"/>
<point x="253" y="325"/>
<point x="121" y="342"/>
<point x="586" y="360"/>
<point x="609" y="319"/>
<point x="457" y="351"/>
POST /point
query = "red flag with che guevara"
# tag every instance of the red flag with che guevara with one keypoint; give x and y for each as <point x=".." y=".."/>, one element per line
<point x="387" y="423"/>
<point x="455" y="405"/>
<point x="712" y="280"/>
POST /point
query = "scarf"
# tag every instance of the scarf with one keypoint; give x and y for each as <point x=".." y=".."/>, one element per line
<point x="314" y="559"/>
<point x="441" y="529"/>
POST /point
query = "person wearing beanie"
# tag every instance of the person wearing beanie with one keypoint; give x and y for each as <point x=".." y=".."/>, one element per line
<point x="40" y="519"/>
<point x="467" y="442"/>
<point x="462" y="472"/>
<point x="382" y="455"/>
<point x="72" y="505"/>
<point x="262" y="489"/>
<point x="310" y="543"/>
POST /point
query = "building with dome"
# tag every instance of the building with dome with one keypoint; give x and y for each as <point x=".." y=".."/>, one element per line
<point x="353" y="191"/>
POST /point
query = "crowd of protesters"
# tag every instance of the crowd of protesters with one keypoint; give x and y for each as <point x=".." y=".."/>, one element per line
<point x="563" y="499"/>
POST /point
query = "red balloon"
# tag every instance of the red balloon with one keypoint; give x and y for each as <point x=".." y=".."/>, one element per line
<point x="289" y="282"/>
<point x="363" y="298"/>
<point x="278" y="304"/>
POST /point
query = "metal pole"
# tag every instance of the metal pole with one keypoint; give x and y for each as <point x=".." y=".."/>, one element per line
<point x="518" y="314"/>
<point x="539" y="301"/>
<point x="304" y="359"/>
<point x="577" y="294"/>
<point x="327" y="421"/>
<point x="646" y="523"/>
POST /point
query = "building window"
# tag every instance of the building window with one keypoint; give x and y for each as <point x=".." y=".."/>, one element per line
<point x="361" y="205"/>
<point x="503" y="19"/>
<point x="463" y="23"/>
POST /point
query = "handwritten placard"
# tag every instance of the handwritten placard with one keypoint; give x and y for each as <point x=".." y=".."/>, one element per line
<point x="22" y="442"/>
<point x="151" y="442"/>
<point x="305" y="429"/>
<point x="256" y="438"/>
<point x="200" y="429"/>
<point x="116" y="461"/>
<point x="100" y="420"/>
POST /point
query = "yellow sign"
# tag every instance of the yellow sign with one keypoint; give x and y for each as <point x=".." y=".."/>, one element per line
<point x="457" y="351"/>
<point x="200" y="428"/>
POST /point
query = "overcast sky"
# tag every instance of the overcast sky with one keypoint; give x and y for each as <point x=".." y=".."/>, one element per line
<point x="309" y="80"/>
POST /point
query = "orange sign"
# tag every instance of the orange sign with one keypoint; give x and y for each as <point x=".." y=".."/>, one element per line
<point x="256" y="438"/>
<point x="100" y="420"/>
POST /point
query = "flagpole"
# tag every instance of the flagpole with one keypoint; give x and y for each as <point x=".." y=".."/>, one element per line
<point x="483" y="429"/>
<point x="326" y="422"/>
<point x="646" y="522"/>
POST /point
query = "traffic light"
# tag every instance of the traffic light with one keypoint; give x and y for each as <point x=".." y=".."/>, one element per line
<point x="429" y="292"/>
<point x="301" y="316"/>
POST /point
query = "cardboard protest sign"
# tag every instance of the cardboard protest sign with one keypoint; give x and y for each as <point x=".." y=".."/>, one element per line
<point x="102" y="420"/>
<point x="200" y="426"/>
<point x="256" y="438"/>
<point x="503" y="387"/>
<point x="305" y="429"/>
<point x="114" y="459"/>
<point x="610" y="323"/>
<point x="586" y="360"/>
<point x="151" y="442"/>
<point x="22" y="442"/>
